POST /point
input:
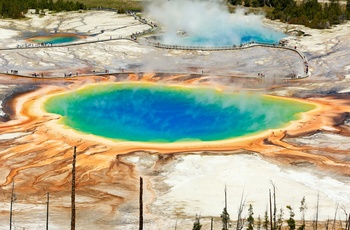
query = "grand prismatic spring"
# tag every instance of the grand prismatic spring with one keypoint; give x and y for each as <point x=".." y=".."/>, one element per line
<point x="188" y="122"/>
<point x="156" y="113"/>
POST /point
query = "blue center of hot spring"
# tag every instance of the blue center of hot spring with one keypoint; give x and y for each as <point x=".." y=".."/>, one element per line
<point x="55" y="39"/>
<point x="158" y="113"/>
<point x="229" y="37"/>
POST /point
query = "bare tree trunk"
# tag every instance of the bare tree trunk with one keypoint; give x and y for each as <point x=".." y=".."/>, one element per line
<point x="347" y="222"/>
<point x="316" y="221"/>
<point x="141" y="204"/>
<point x="271" y="223"/>
<point x="211" y="224"/>
<point x="11" y="204"/>
<point x="72" y="225"/>
<point x="335" y="216"/>
<point x="303" y="208"/>
<point x="240" y="210"/>
<point x="226" y="223"/>
<point x="47" y="210"/>
<point x="326" y="224"/>
<point x="274" y="207"/>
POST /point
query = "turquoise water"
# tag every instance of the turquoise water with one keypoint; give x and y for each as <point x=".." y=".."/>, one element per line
<point x="158" y="113"/>
<point x="55" y="39"/>
<point x="234" y="37"/>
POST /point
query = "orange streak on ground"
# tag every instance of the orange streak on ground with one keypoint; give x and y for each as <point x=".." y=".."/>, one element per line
<point x="133" y="77"/>
<point x="148" y="77"/>
<point x="192" y="80"/>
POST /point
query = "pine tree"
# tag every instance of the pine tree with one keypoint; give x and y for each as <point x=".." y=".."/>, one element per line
<point x="291" y="221"/>
<point x="266" y="221"/>
<point x="310" y="13"/>
<point x="258" y="223"/>
<point x="17" y="8"/>
<point x="255" y="3"/>
<point x="261" y="3"/>
<point x="302" y="209"/>
<point x="279" y="220"/>
<point x="250" y="218"/>
<point x="197" y="225"/>
<point x="225" y="218"/>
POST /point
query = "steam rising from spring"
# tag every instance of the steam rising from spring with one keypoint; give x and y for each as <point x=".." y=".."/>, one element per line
<point x="208" y="23"/>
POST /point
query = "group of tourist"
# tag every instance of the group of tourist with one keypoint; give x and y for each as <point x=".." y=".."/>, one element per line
<point x="70" y="74"/>
<point x="306" y="68"/>
<point x="142" y="20"/>
<point x="13" y="71"/>
<point x="36" y="75"/>
<point x="29" y="45"/>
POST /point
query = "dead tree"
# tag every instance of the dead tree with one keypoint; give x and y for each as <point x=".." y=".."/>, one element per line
<point x="141" y="205"/>
<point x="273" y="222"/>
<point x="335" y="216"/>
<point x="47" y="210"/>
<point x="274" y="206"/>
<point x="226" y="223"/>
<point x="270" y="200"/>
<point x="347" y="218"/>
<point x="326" y="225"/>
<point x="240" y="222"/>
<point x="73" y="190"/>
<point x="225" y="217"/>
<point x="12" y="200"/>
<point x="317" y="205"/>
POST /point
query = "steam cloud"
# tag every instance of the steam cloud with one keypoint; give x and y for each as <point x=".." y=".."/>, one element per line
<point x="208" y="23"/>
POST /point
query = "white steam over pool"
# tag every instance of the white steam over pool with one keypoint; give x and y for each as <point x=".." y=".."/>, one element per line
<point x="208" y="23"/>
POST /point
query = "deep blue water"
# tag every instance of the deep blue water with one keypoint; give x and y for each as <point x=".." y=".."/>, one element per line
<point x="156" y="113"/>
